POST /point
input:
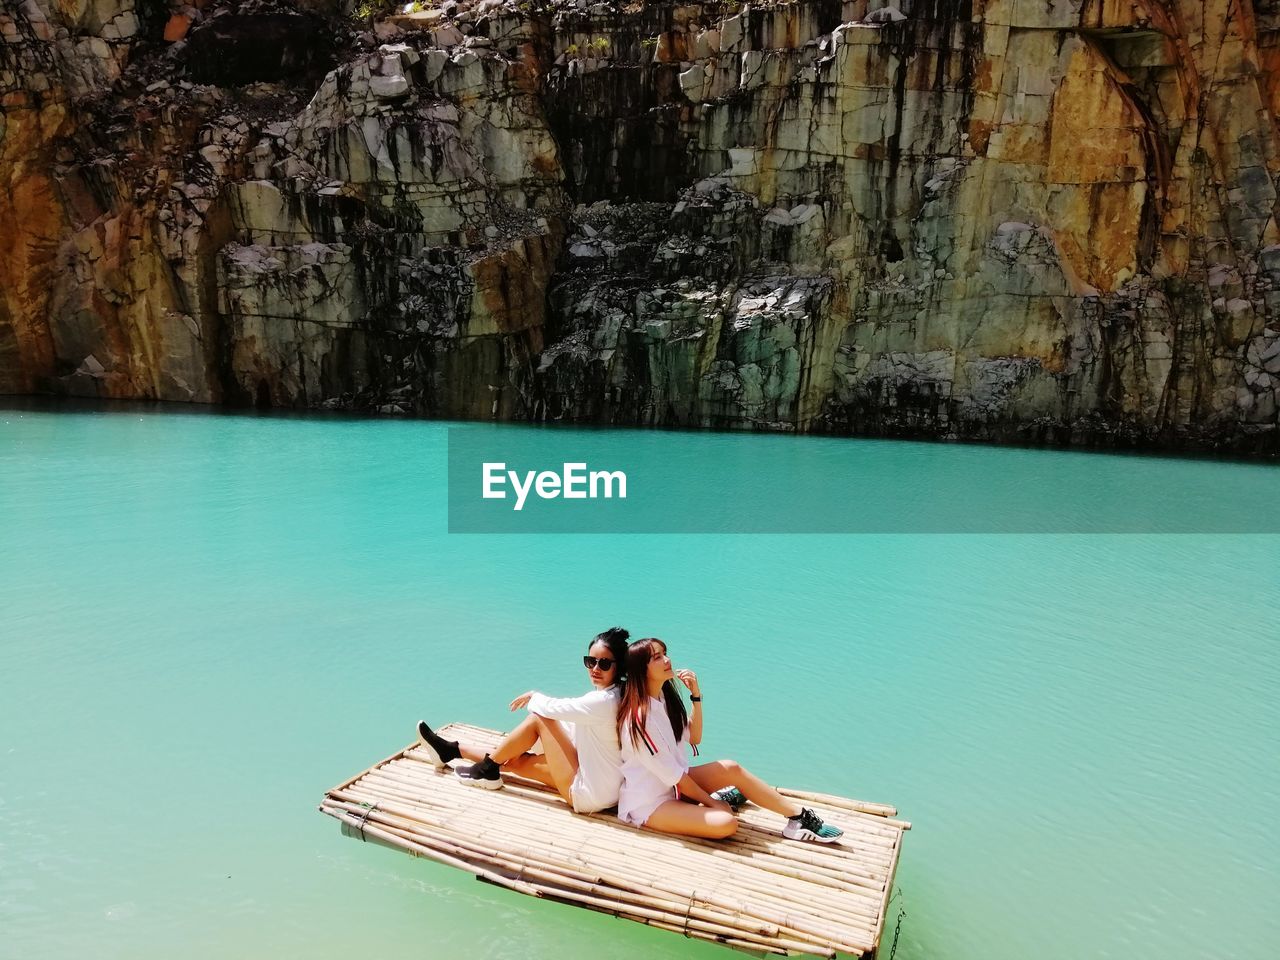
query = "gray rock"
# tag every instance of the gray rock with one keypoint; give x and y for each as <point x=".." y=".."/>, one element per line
<point x="389" y="88"/>
<point x="885" y="15"/>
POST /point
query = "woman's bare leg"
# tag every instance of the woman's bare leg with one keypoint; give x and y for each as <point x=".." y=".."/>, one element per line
<point x="729" y="773"/>
<point x="531" y="767"/>
<point x="692" y="820"/>
<point x="556" y="768"/>
<point x="560" y="754"/>
<point x="520" y="740"/>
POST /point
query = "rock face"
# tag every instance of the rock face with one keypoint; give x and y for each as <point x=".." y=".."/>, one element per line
<point x="987" y="219"/>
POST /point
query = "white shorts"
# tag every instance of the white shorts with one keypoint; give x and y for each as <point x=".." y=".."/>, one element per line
<point x="584" y="801"/>
<point x="639" y="814"/>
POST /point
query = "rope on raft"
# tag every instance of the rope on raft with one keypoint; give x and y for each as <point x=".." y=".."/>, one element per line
<point x="365" y="819"/>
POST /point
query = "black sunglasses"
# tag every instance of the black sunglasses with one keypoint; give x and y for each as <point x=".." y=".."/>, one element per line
<point x="604" y="663"/>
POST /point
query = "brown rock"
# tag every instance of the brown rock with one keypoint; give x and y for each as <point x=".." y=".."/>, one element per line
<point x="176" y="28"/>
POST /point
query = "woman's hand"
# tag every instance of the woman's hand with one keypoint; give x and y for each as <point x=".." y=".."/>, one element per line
<point x="522" y="701"/>
<point x="690" y="680"/>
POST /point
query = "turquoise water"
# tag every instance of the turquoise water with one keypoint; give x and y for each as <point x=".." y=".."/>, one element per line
<point x="205" y="621"/>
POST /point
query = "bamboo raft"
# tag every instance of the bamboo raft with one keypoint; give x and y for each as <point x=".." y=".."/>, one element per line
<point x="755" y="891"/>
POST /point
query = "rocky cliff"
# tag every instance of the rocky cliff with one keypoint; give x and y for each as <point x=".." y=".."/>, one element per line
<point x="1027" y="220"/>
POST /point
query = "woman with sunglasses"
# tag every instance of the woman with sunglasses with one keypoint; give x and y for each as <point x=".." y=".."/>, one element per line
<point x="660" y="790"/>
<point x="579" y="737"/>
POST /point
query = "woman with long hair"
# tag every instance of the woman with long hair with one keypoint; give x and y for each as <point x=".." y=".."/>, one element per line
<point x="579" y="737"/>
<point x="660" y="790"/>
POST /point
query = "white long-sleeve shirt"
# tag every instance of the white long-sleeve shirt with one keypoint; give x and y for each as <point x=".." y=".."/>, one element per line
<point x="651" y="768"/>
<point x="593" y="720"/>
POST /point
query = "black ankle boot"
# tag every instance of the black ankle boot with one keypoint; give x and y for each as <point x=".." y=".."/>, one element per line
<point x="486" y="774"/>
<point x="438" y="750"/>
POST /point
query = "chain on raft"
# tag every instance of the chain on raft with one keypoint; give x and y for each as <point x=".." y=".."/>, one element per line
<point x="897" y="927"/>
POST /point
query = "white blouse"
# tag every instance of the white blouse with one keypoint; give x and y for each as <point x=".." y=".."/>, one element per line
<point x="651" y="768"/>
<point x="594" y="719"/>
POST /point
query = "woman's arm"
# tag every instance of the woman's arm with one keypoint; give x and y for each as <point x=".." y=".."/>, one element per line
<point x="688" y="787"/>
<point x="594" y="707"/>
<point x="690" y="680"/>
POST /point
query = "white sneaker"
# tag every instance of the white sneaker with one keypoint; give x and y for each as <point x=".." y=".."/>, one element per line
<point x="807" y="825"/>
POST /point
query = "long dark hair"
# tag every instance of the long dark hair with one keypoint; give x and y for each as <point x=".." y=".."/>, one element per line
<point x="634" y="705"/>
<point x="615" y="638"/>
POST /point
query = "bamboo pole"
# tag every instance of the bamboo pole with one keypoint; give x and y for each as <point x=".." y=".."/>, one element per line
<point x="423" y="851"/>
<point x="882" y="812"/>
<point x="641" y="905"/>
<point x="849" y="848"/>
<point x="780" y="914"/>
<point x="671" y="847"/>
<point x="648" y="914"/>
<point x="788" y="919"/>
<point x="490" y="738"/>
<point x="758" y="884"/>
<point x="670" y="850"/>
<point x="697" y="917"/>
<point x="653" y="878"/>
<point x="834" y="856"/>
<point x="753" y="816"/>
<point x="876" y="852"/>
<point x="830" y="800"/>
<point x="868" y="829"/>
<point x="731" y="942"/>
<point x="531" y="857"/>
<point x="844" y="906"/>
<point x="884" y="903"/>
<point x="384" y="760"/>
